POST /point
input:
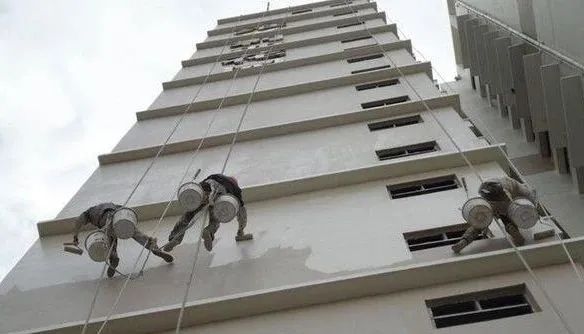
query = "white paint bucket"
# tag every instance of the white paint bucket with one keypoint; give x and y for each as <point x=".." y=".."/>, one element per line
<point x="190" y="196"/>
<point x="225" y="208"/>
<point x="124" y="221"/>
<point x="523" y="213"/>
<point x="478" y="212"/>
<point x="97" y="246"/>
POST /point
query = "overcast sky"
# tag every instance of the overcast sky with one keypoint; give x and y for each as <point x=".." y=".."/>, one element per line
<point x="73" y="73"/>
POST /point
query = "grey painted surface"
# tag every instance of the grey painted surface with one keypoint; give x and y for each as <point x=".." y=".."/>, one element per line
<point x="573" y="103"/>
<point x="471" y="44"/>
<point x="298" y="238"/>
<point x="521" y="106"/>
<point x="461" y="29"/>
<point x="553" y="101"/>
<point x="532" y="63"/>
<point x="504" y="61"/>
<point x="481" y="52"/>
<point x="492" y="63"/>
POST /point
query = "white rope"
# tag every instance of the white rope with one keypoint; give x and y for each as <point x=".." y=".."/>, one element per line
<point x="485" y="128"/>
<point x="193" y="156"/>
<point x="516" y="250"/>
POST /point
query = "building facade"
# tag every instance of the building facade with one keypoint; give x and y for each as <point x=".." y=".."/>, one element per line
<point x="354" y="167"/>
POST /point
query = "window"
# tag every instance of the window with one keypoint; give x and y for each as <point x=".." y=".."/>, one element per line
<point x="364" y="58"/>
<point x="343" y="13"/>
<point x="385" y="102"/>
<point x="395" y="123"/>
<point x="370" y="69"/>
<point x="421" y="187"/>
<point x="301" y="11"/>
<point x="409" y="150"/>
<point x="438" y="237"/>
<point x="341" y="4"/>
<point x="480" y="306"/>
<point x="378" y="84"/>
<point x="350" y="25"/>
<point x="474" y="129"/>
<point x="356" y="39"/>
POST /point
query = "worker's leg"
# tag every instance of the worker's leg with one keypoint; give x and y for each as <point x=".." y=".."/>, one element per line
<point x="210" y="230"/>
<point x="513" y="231"/>
<point x="242" y="221"/>
<point x="150" y="243"/>
<point x="469" y="236"/>
<point x="178" y="231"/>
<point x="114" y="260"/>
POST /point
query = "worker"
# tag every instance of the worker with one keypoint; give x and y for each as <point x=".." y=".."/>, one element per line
<point x="499" y="192"/>
<point x="101" y="217"/>
<point x="214" y="185"/>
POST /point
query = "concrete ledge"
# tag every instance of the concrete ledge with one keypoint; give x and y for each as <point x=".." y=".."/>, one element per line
<point x="296" y="44"/>
<point x="295" y="18"/>
<point x="259" y="192"/>
<point x="294" y="30"/>
<point x="334" y="290"/>
<point x="282" y="129"/>
<point x="300" y="88"/>
<point x="343" y="54"/>
<point x="277" y="11"/>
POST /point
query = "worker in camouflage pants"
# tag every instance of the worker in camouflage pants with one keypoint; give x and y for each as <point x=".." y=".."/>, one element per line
<point x="101" y="217"/>
<point x="499" y="192"/>
<point x="214" y="185"/>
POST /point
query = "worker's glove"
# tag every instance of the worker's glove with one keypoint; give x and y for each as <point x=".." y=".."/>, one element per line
<point x="76" y="240"/>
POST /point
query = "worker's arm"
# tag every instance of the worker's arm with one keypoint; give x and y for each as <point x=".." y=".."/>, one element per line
<point x="79" y="223"/>
<point x="470" y="235"/>
<point x="242" y="222"/>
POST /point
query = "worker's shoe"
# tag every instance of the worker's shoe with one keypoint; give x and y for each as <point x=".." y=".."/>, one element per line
<point x="208" y="240"/>
<point x="243" y="236"/>
<point x="165" y="256"/>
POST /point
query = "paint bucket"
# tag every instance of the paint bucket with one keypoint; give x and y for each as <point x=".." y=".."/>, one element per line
<point x="124" y="221"/>
<point x="190" y="196"/>
<point x="225" y="208"/>
<point x="523" y="213"/>
<point x="477" y="212"/>
<point x="97" y="246"/>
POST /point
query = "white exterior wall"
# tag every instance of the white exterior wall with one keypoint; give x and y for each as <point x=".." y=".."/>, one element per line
<point x="318" y="207"/>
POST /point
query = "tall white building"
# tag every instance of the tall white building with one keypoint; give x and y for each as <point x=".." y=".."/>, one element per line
<point x="354" y="166"/>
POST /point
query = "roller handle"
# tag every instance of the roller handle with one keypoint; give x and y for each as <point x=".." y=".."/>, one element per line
<point x="72" y="248"/>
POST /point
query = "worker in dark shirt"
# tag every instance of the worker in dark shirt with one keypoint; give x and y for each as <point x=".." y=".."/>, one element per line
<point x="214" y="185"/>
<point x="100" y="216"/>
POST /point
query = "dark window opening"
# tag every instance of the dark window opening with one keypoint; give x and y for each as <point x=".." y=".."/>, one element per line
<point x="378" y="84"/>
<point x="444" y="236"/>
<point x="395" y="123"/>
<point x="370" y="69"/>
<point x="481" y="306"/>
<point x="364" y="58"/>
<point x="409" y="150"/>
<point x="343" y="13"/>
<point x="350" y="25"/>
<point x="422" y="187"/>
<point x="385" y="102"/>
<point x="356" y="39"/>
<point x="300" y="11"/>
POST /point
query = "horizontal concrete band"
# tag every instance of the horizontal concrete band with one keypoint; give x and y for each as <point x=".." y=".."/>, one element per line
<point x="283" y="129"/>
<point x="291" y="187"/>
<point x="287" y="64"/>
<point x="300" y="88"/>
<point x="278" y="11"/>
<point x="294" y="18"/>
<point x="296" y="44"/>
<point x="293" y="30"/>
<point x="334" y="290"/>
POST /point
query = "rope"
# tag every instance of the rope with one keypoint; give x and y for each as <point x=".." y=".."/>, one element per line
<point x="192" y="275"/>
<point x="514" y="168"/>
<point x="169" y="202"/>
<point x="516" y="250"/>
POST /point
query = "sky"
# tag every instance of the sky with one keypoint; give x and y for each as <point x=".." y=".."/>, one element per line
<point x="73" y="73"/>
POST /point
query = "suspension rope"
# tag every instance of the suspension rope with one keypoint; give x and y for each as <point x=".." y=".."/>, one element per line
<point x="510" y="163"/>
<point x="515" y="248"/>
<point x="193" y="156"/>
<point x="192" y="274"/>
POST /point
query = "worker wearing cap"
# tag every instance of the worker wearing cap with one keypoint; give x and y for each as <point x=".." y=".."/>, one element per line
<point x="499" y="192"/>
<point x="100" y="216"/>
<point x="214" y="185"/>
